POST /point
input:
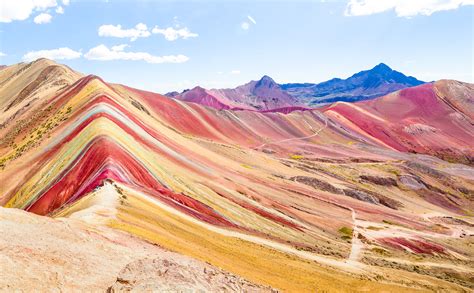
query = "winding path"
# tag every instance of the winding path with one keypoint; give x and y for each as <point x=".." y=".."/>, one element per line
<point x="357" y="244"/>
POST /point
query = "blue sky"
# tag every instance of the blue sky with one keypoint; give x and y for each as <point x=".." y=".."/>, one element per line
<point x="226" y="43"/>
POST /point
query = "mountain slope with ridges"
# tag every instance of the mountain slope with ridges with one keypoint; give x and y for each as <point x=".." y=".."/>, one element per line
<point x="266" y="196"/>
<point x="434" y="118"/>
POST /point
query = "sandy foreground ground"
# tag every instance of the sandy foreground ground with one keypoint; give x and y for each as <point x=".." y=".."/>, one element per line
<point x="59" y="255"/>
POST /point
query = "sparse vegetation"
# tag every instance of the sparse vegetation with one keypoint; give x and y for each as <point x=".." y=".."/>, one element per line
<point x="139" y="106"/>
<point x="296" y="157"/>
<point x="346" y="233"/>
<point x="380" y="251"/>
<point x="36" y="134"/>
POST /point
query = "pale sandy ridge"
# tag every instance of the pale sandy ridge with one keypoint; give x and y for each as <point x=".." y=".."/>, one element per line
<point x="41" y="254"/>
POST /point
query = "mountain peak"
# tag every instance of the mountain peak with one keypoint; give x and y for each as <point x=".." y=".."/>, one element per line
<point x="266" y="81"/>
<point x="267" y="78"/>
<point x="382" y="67"/>
<point x="199" y="88"/>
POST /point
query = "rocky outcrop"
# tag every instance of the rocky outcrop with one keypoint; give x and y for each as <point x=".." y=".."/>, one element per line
<point x="317" y="184"/>
<point x="384" y="181"/>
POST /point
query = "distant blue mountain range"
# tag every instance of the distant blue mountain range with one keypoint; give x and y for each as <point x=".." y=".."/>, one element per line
<point x="364" y="85"/>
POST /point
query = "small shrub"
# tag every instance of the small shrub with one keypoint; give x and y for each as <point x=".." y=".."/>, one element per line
<point x="346" y="233"/>
<point x="296" y="157"/>
<point x="388" y="222"/>
<point x="380" y="251"/>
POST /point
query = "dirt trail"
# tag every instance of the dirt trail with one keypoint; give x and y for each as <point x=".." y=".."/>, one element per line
<point x="357" y="244"/>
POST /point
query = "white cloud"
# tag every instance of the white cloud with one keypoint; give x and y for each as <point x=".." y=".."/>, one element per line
<point x="235" y="72"/>
<point x="103" y="53"/>
<point x="2" y="54"/>
<point x="245" y="25"/>
<point x="251" y="19"/>
<point x="142" y="31"/>
<point x="11" y="10"/>
<point x="55" y="54"/>
<point x="119" y="47"/>
<point x="172" y="34"/>
<point x="403" y="8"/>
<point x="42" y="18"/>
<point x="66" y="2"/>
<point x="141" y="27"/>
<point x="139" y="31"/>
<point x="59" y="10"/>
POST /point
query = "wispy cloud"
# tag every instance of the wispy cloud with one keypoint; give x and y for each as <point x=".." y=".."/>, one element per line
<point x="235" y="72"/>
<point x="403" y="8"/>
<point x="251" y="19"/>
<point x="172" y="34"/>
<point x="42" y="18"/>
<point x="55" y="54"/>
<point x="116" y="31"/>
<point x="2" y="54"/>
<point x="103" y="53"/>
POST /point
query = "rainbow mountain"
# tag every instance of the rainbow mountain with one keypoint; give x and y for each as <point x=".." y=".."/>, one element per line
<point x="374" y="195"/>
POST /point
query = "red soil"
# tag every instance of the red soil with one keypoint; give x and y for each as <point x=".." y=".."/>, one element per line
<point x="417" y="246"/>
